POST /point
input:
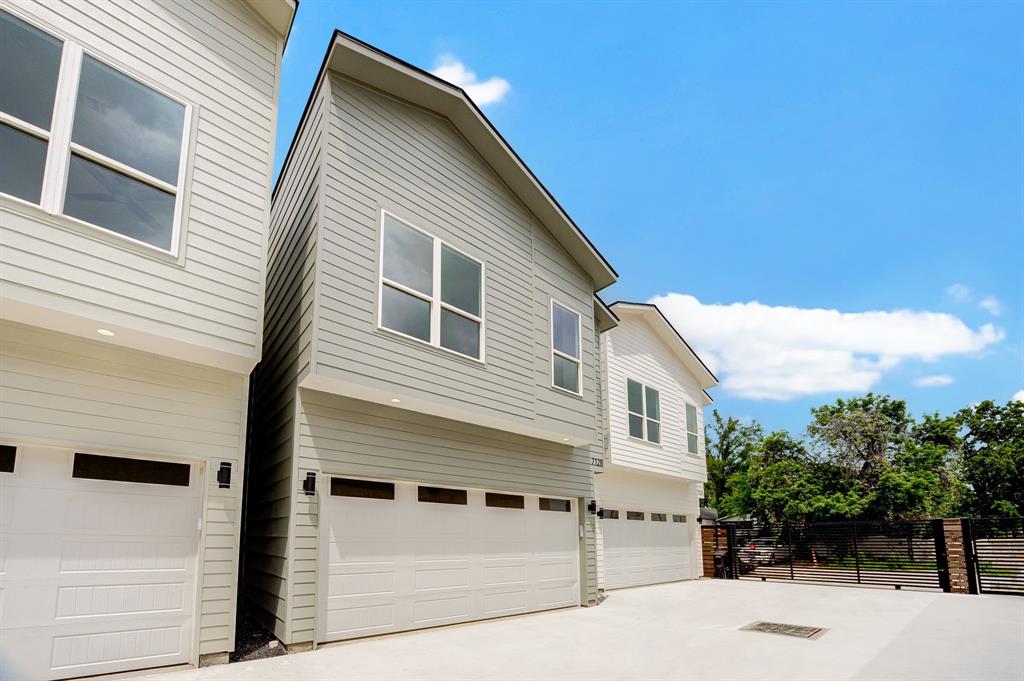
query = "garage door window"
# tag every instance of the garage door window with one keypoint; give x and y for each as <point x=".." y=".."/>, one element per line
<point x="554" y="504"/>
<point x="7" y="454"/>
<point x="609" y="514"/>
<point x="659" y="517"/>
<point x="120" y="469"/>
<point x="679" y="518"/>
<point x="366" y="489"/>
<point x="634" y="515"/>
<point x="442" y="495"/>
<point x="495" y="500"/>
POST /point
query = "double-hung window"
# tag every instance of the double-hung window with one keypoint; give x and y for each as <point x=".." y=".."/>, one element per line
<point x="691" y="429"/>
<point x="565" y="348"/>
<point x="429" y="291"/>
<point x="644" y="405"/>
<point x="80" y="139"/>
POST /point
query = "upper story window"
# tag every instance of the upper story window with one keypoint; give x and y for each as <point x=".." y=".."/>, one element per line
<point x="81" y="139"/>
<point x="644" y="405"/>
<point x="565" y="348"/>
<point x="429" y="291"/>
<point x="691" y="429"/>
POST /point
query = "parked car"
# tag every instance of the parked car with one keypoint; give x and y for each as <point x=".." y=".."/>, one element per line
<point x="764" y="551"/>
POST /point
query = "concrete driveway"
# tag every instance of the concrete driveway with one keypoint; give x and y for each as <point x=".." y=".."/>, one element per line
<point x="690" y="630"/>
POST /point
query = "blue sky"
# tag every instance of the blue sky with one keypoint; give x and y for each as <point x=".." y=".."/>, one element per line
<point x="825" y="198"/>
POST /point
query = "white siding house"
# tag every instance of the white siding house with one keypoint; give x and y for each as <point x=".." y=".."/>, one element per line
<point x="427" y="412"/>
<point x="136" y="144"/>
<point x="654" y="465"/>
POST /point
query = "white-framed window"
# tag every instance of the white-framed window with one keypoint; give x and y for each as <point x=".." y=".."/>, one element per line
<point x="691" y="429"/>
<point x="86" y="141"/>
<point x="644" y="406"/>
<point x="429" y="290"/>
<point x="566" y="362"/>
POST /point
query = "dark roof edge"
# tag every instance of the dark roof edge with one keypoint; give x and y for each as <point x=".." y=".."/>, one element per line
<point x="323" y="66"/>
<point x="674" y="329"/>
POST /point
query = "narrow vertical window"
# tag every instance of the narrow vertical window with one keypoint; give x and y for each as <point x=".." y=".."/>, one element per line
<point x="429" y="290"/>
<point x="691" y="429"/>
<point x="565" y="348"/>
<point x="644" y="406"/>
<point x="29" y="64"/>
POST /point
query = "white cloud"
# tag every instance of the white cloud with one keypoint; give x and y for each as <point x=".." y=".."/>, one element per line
<point x="780" y="353"/>
<point x="959" y="293"/>
<point x="1018" y="396"/>
<point x="485" y="92"/>
<point x="991" y="305"/>
<point x="936" y="381"/>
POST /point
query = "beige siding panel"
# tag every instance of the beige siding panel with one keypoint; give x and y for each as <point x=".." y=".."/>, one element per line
<point x="65" y="391"/>
<point x="221" y="57"/>
<point x="385" y="154"/>
<point x="635" y="351"/>
<point x="273" y="481"/>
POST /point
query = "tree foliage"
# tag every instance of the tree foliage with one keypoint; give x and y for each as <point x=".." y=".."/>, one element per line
<point x="868" y="458"/>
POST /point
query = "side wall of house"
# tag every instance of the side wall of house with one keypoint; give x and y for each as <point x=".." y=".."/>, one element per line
<point x="65" y="391"/>
<point x="635" y="351"/>
<point x="291" y="280"/>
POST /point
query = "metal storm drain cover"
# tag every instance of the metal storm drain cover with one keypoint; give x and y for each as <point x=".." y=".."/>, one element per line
<point x="785" y="629"/>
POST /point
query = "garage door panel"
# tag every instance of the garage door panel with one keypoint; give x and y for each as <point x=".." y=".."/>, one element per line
<point x="450" y="562"/>
<point x="99" y="576"/>
<point x="638" y="552"/>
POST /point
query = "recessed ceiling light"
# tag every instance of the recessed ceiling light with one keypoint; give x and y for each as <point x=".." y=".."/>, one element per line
<point x="105" y="332"/>
<point x="395" y="400"/>
<point x="565" y="439"/>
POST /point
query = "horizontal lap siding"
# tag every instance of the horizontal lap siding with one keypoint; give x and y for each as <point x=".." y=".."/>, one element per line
<point x="220" y="57"/>
<point x="65" y="391"/>
<point x="383" y="153"/>
<point x="635" y="351"/>
<point x="291" y="276"/>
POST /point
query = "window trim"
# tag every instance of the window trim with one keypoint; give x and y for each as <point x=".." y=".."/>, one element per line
<point x="644" y="417"/>
<point x="59" y="147"/>
<point x="695" y="432"/>
<point x="434" y="300"/>
<point x="554" y="352"/>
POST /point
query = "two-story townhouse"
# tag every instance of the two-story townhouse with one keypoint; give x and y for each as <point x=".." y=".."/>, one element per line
<point x="427" y="413"/>
<point x="654" y="468"/>
<point x="136" y="144"/>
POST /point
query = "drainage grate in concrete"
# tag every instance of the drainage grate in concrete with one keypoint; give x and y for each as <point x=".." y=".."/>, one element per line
<point x="785" y="629"/>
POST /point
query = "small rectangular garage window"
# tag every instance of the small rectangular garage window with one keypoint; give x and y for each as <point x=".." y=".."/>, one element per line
<point x="442" y="495"/>
<point x="679" y="518"/>
<point x="609" y="514"/>
<point x="495" y="500"/>
<point x="634" y="515"/>
<point x="121" y="469"/>
<point x="659" y="517"/>
<point x="7" y="454"/>
<point x="364" y="489"/>
<point x="554" y="504"/>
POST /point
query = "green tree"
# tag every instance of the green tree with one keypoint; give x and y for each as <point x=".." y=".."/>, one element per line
<point x="993" y="458"/>
<point x="730" y="444"/>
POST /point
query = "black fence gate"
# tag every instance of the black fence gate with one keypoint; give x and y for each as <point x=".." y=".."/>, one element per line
<point x="997" y="545"/>
<point x="884" y="554"/>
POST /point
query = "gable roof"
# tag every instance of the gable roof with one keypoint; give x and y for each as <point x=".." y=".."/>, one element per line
<point x="362" y="62"/>
<point x="668" y="333"/>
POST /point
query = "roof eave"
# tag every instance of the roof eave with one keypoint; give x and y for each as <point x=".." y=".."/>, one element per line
<point x="278" y="13"/>
<point x="362" y="62"/>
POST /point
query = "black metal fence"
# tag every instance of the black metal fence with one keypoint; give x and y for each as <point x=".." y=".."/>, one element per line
<point x="883" y="554"/>
<point x="997" y="545"/>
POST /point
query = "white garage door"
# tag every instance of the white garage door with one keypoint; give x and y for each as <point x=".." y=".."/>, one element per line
<point x="641" y="547"/>
<point x="97" y="574"/>
<point x="402" y="556"/>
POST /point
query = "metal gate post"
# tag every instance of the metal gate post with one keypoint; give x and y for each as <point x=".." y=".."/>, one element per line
<point x="856" y="552"/>
<point x="941" y="554"/>
<point x="970" y="556"/>
<point x="730" y="555"/>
